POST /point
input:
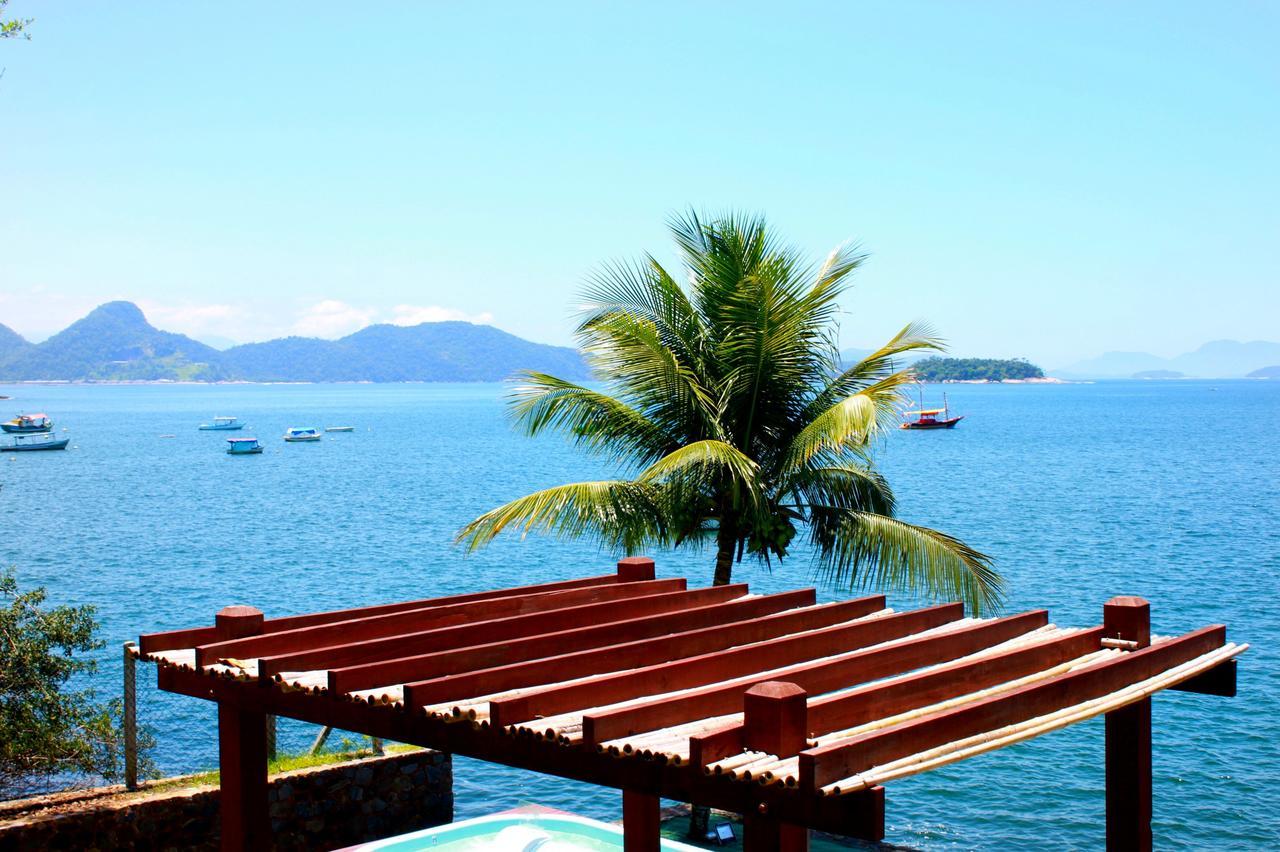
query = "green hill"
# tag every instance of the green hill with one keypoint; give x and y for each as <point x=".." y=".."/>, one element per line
<point x="116" y="343"/>
<point x="11" y="343"/>
<point x="430" y="352"/>
<point x="974" y="369"/>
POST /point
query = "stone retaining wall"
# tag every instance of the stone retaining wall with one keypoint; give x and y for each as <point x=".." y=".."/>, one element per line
<point x="318" y="808"/>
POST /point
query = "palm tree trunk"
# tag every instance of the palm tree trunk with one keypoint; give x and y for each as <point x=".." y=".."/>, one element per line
<point x="726" y="545"/>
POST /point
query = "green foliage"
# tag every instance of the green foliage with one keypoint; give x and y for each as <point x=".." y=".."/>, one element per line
<point x="14" y="27"/>
<point x="974" y="369"/>
<point x="726" y="402"/>
<point x="51" y="735"/>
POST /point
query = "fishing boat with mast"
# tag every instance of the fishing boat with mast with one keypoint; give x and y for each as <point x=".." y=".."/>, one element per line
<point x="927" y="418"/>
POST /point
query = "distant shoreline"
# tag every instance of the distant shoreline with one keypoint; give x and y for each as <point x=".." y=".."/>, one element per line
<point x="1046" y="380"/>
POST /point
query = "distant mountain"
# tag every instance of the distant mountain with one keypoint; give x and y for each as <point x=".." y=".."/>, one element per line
<point x="1266" y="373"/>
<point x="430" y="352"/>
<point x="11" y="343"/>
<point x="1218" y="359"/>
<point x="116" y="343"/>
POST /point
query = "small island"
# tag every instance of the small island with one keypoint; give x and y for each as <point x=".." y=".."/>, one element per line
<point x="1265" y="373"/>
<point x="1159" y="374"/>
<point x="978" y="370"/>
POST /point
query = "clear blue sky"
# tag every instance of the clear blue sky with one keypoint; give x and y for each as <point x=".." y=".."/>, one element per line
<point x="1040" y="180"/>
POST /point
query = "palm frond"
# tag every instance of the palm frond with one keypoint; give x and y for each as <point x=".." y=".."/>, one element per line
<point x="594" y="420"/>
<point x="830" y="490"/>
<point x="620" y="514"/>
<point x="708" y="463"/>
<point x="628" y="351"/>
<point x="863" y="550"/>
<point x="878" y="365"/>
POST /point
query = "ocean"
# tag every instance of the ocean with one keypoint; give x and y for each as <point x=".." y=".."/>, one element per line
<point x="1168" y="490"/>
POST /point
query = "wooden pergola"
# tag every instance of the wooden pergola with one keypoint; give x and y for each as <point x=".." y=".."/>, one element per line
<point x="789" y="712"/>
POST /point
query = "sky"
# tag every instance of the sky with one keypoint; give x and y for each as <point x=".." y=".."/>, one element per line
<point x="1036" y="180"/>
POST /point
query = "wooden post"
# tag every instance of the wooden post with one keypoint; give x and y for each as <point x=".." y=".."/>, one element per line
<point x="641" y="822"/>
<point x="271" y="736"/>
<point x="1128" y="739"/>
<point x="242" y="754"/>
<point x="318" y="743"/>
<point x="130" y="720"/>
<point x="634" y="569"/>
<point x="775" y="720"/>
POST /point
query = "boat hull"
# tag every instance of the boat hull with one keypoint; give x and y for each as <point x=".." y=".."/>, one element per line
<point x="25" y="430"/>
<point x="232" y="428"/>
<point x="309" y="439"/>
<point x="33" y="448"/>
<point x="935" y="424"/>
<point x="249" y="452"/>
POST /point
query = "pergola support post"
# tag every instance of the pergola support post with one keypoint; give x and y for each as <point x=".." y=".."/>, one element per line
<point x="242" y="754"/>
<point x="130" y="716"/>
<point x="1128" y="739"/>
<point x="641" y="822"/>
<point x="775" y="720"/>
<point x="636" y="569"/>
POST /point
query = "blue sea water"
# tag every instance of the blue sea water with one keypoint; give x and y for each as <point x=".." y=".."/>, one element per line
<point x="1169" y="490"/>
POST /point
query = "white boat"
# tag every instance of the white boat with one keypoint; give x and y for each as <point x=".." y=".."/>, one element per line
<point x="302" y="435"/>
<point x="339" y="428"/>
<point x="222" y="424"/>
<point x="35" y="441"/>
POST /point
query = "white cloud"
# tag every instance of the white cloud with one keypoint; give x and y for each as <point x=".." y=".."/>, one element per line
<point x="418" y="314"/>
<point x="195" y="319"/>
<point x="332" y="319"/>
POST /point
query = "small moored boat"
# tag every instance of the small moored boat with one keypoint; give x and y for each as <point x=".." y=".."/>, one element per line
<point x="25" y="424"/>
<point x="243" y="446"/>
<point x="222" y="424"/>
<point x="302" y="435"/>
<point x="339" y="428"/>
<point x="927" y="418"/>
<point x="40" y="441"/>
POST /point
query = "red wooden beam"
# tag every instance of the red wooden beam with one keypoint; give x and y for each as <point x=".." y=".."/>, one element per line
<point x="427" y="618"/>
<point x="824" y="765"/>
<point x="191" y="637"/>
<point x="855" y="815"/>
<point x="717" y="666"/>
<point x="879" y="701"/>
<point x="392" y="649"/>
<point x="629" y="655"/>
<point x="814" y="676"/>
<point x="882" y="700"/>
<point x="498" y="656"/>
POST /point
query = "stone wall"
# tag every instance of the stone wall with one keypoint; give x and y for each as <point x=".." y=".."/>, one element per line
<point x="318" y="808"/>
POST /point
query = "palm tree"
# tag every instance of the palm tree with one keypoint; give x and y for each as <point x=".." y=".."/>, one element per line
<point x="726" y="403"/>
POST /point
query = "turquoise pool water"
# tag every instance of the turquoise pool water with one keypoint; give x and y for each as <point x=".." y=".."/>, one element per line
<point x="514" y="833"/>
<point x="1170" y="490"/>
